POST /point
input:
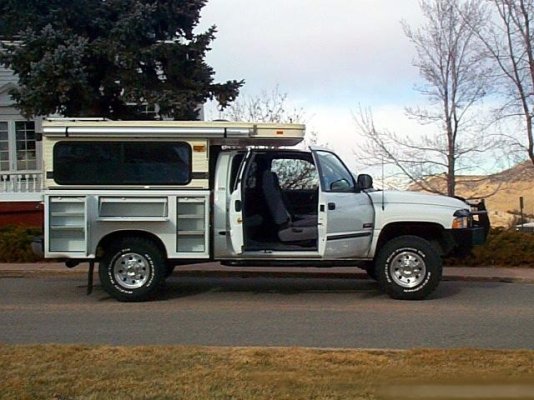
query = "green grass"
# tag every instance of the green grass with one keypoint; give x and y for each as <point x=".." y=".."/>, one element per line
<point x="173" y="372"/>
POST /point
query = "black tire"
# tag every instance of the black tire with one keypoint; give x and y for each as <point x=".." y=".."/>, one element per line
<point x="170" y="270"/>
<point x="408" y="268"/>
<point x="132" y="269"/>
<point x="371" y="272"/>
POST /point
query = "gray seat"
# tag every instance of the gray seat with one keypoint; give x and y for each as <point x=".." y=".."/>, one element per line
<point x="290" y="229"/>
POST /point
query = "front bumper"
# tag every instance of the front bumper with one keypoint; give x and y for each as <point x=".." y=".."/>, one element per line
<point x="469" y="237"/>
<point x="480" y="221"/>
<point x="476" y="235"/>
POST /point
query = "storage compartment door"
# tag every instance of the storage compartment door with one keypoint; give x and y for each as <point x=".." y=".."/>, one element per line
<point x="66" y="226"/>
<point x="192" y="224"/>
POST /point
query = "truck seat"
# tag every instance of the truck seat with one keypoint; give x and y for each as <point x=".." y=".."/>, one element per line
<point x="289" y="229"/>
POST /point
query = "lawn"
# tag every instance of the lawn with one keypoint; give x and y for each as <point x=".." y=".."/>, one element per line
<point x="55" y="372"/>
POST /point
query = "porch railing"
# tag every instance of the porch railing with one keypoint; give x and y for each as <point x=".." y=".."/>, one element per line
<point x="25" y="182"/>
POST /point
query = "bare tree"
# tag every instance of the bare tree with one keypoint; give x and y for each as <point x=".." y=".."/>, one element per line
<point x="508" y="38"/>
<point x="268" y="106"/>
<point x="274" y="107"/>
<point x="452" y="64"/>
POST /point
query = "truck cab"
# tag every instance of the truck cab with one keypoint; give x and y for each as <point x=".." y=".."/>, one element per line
<point x="140" y="197"/>
<point x="289" y="205"/>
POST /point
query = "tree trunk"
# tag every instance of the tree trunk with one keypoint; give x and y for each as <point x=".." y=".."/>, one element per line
<point x="530" y="137"/>
<point x="451" y="171"/>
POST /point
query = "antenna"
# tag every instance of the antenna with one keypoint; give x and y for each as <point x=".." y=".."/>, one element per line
<point x="383" y="184"/>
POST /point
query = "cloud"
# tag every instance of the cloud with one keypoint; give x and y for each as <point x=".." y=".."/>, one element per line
<point x="314" y="48"/>
<point x="329" y="56"/>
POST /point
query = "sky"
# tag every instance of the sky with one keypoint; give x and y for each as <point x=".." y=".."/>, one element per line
<point x="329" y="56"/>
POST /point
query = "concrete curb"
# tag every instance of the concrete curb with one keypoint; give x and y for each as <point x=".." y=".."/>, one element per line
<point x="213" y="270"/>
<point x="500" y="279"/>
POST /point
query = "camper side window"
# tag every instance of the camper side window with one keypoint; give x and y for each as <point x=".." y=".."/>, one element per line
<point x="122" y="163"/>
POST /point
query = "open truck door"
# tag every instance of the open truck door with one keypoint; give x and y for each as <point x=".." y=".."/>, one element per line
<point x="235" y="209"/>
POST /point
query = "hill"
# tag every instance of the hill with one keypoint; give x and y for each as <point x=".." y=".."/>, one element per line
<point x="501" y="191"/>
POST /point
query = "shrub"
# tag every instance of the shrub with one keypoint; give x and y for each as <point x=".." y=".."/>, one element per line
<point x="15" y="244"/>
<point x="503" y="248"/>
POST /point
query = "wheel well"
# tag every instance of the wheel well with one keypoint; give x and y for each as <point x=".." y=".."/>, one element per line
<point x="434" y="233"/>
<point x="118" y="235"/>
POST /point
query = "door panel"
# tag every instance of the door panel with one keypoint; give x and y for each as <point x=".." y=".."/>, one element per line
<point x="235" y="216"/>
<point x="346" y="216"/>
<point x="349" y="224"/>
<point x="235" y="208"/>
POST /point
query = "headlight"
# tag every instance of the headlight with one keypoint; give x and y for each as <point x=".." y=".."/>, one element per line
<point x="462" y="219"/>
<point x="460" y="223"/>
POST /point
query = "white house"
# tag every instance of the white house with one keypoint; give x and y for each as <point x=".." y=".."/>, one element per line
<point x="20" y="152"/>
<point x="21" y="177"/>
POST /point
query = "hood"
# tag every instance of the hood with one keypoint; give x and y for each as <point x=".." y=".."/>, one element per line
<point x="411" y="198"/>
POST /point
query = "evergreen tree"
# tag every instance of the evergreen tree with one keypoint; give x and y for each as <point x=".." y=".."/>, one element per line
<point x="100" y="57"/>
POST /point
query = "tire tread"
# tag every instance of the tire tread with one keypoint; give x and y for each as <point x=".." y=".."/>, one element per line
<point x="433" y="263"/>
<point x="141" y="245"/>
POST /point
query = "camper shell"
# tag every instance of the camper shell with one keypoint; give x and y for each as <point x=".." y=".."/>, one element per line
<point x="140" y="197"/>
<point x="103" y="177"/>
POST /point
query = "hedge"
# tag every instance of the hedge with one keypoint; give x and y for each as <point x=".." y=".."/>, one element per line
<point x="15" y="244"/>
<point x="503" y="248"/>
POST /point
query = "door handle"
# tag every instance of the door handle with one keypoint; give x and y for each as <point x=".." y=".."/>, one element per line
<point x="331" y="206"/>
<point x="238" y="205"/>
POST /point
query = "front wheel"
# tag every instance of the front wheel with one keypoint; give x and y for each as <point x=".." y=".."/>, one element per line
<point x="408" y="268"/>
<point x="371" y="272"/>
<point x="132" y="269"/>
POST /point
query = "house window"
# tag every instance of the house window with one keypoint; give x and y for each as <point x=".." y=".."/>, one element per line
<point x="18" y="146"/>
<point x="144" y="111"/>
<point x="4" y="147"/>
<point x="25" y="138"/>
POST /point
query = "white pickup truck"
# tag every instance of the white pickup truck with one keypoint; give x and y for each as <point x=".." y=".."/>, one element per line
<point x="141" y="197"/>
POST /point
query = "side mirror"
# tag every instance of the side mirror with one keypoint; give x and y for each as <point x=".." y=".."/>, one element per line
<point x="365" y="182"/>
<point x="341" y="185"/>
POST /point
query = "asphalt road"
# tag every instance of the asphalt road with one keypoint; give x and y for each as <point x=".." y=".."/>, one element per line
<point x="235" y="311"/>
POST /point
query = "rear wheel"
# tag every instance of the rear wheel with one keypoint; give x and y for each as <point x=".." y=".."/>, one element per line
<point x="408" y="268"/>
<point x="132" y="269"/>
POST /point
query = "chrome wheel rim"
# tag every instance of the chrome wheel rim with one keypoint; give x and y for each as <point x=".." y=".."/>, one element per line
<point x="131" y="270"/>
<point x="407" y="269"/>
